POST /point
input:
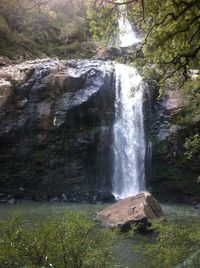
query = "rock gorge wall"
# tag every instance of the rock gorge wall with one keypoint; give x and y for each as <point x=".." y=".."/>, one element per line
<point x="56" y="122"/>
<point x="55" y="129"/>
<point x="173" y="176"/>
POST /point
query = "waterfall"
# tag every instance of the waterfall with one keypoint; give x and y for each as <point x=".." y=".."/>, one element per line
<point x="128" y="131"/>
<point x="128" y="134"/>
<point x="127" y="37"/>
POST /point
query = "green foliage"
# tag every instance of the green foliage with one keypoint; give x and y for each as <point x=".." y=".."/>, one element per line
<point x="170" y="50"/>
<point x="38" y="27"/>
<point x="192" y="146"/>
<point x="171" y="37"/>
<point x="191" y="115"/>
<point x="71" y="241"/>
<point x="170" y="28"/>
<point x="102" y="18"/>
<point x="173" y="244"/>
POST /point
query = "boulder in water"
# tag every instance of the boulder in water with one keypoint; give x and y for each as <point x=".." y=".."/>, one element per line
<point x="133" y="209"/>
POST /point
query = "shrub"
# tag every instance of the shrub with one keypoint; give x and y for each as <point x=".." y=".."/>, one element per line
<point x="72" y="241"/>
<point x="172" y="245"/>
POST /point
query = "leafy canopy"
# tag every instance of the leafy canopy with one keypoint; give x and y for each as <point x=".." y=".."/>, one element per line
<point x="172" y="245"/>
<point x="171" y="30"/>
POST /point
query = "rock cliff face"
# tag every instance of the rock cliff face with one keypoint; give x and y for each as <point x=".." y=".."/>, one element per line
<point x="56" y="122"/>
<point x="55" y="128"/>
<point x="173" y="176"/>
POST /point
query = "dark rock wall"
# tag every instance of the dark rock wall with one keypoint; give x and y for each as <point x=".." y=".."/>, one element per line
<point x="56" y="131"/>
<point x="56" y="122"/>
<point x="173" y="176"/>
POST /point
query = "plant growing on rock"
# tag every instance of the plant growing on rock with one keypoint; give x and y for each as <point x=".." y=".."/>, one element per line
<point x="192" y="146"/>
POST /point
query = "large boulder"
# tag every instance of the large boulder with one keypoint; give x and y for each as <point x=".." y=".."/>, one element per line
<point x="103" y="53"/>
<point x="133" y="209"/>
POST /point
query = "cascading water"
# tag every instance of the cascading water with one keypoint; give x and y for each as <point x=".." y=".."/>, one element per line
<point x="127" y="37"/>
<point x="128" y="130"/>
<point x="128" y="133"/>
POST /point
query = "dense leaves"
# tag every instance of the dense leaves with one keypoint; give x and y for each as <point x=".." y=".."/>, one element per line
<point x="41" y="27"/>
<point x="171" y="32"/>
<point x="190" y="118"/>
<point x="172" y="246"/>
<point x="172" y="37"/>
<point x="102" y="19"/>
<point x="71" y="241"/>
<point x="169" y="51"/>
<point x="192" y="146"/>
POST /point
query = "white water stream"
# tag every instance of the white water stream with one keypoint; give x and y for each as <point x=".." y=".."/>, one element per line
<point x="128" y="130"/>
<point x="127" y="37"/>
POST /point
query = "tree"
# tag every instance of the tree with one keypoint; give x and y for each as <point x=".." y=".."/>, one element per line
<point x="70" y="241"/>
<point x="171" y="32"/>
<point x="37" y="26"/>
<point x="173" y="244"/>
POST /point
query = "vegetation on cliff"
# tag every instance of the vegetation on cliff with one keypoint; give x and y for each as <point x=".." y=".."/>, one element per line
<point x="170" y="53"/>
<point x="170" y="32"/>
<point x="41" y="28"/>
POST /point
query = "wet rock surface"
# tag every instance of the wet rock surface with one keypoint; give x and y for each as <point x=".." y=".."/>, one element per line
<point x="55" y="128"/>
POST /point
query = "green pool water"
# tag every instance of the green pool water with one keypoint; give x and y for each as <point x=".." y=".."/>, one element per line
<point x="35" y="212"/>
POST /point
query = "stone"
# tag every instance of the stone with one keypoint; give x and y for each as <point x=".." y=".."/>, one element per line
<point x="64" y="197"/>
<point x="54" y="199"/>
<point x="103" y="53"/>
<point x="176" y="101"/>
<point x="4" y="61"/>
<point x="107" y="197"/>
<point x="168" y="133"/>
<point x="51" y="118"/>
<point x="3" y="201"/>
<point x="197" y="208"/>
<point x="132" y="210"/>
<point x="5" y="91"/>
<point x="11" y="201"/>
